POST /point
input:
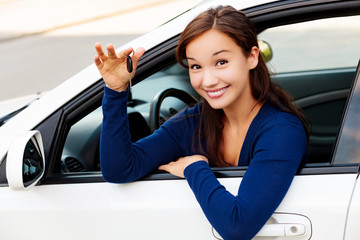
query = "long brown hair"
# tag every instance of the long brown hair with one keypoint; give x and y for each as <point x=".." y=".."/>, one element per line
<point x="237" y="26"/>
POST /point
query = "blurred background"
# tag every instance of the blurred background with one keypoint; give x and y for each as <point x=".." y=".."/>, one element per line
<point x="45" y="42"/>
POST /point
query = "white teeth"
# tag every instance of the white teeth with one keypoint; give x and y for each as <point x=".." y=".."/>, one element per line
<point x="212" y="94"/>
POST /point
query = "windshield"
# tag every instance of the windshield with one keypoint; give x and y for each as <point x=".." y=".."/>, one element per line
<point x="5" y="118"/>
<point x="11" y="108"/>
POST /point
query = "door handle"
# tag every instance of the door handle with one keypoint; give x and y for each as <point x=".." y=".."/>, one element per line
<point x="283" y="225"/>
<point x="282" y="230"/>
<point x="277" y="230"/>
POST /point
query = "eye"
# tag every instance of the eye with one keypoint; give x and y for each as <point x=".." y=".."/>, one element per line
<point x="195" y="67"/>
<point x="221" y="62"/>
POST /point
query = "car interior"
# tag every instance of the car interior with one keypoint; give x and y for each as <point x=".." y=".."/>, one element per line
<point x="317" y="72"/>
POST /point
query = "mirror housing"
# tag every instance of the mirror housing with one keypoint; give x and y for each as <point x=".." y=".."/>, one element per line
<point x="25" y="164"/>
<point x="265" y="50"/>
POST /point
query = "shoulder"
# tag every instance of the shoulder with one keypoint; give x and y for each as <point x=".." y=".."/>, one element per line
<point x="279" y="130"/>
<point x="271" y="117"/>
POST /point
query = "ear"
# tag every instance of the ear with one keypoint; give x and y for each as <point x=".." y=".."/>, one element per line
<point x="253" y="58"/>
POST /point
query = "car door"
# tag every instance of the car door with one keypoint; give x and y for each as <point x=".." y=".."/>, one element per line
<point x="309" y="46"/>
<point x="347" y="148"/>
<point x="75" y="202"/>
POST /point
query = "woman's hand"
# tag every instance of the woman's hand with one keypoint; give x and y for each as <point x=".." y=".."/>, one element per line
<point x="177" y="168"/>
<point x="112" y="67"/>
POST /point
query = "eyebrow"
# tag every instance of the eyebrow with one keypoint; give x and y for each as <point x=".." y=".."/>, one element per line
<point x="221" y="51"/>
<point x="214" y="54"/>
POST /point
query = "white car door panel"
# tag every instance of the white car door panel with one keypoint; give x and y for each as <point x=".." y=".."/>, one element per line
<point x="165" y="209"/>
<point x="139" y="210"/>
<point x="352" y="230"/>
<point x="324" y="199"/>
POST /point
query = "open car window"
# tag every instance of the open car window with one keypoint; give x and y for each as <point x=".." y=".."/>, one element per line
<point x="320" y="88"/>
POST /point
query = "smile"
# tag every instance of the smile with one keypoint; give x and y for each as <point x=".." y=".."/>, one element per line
<point x="216" y="93"/>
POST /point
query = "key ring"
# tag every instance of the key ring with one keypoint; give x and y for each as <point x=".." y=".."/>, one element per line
<point x="129" y="65"/>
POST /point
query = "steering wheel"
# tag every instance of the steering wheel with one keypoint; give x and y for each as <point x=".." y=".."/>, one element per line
<point x="154" y="115"/>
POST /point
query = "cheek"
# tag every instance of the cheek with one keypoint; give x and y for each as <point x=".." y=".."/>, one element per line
<point x="236" y="74"/>
<point x="228" y="75"/>
<point x="195" y="81"/>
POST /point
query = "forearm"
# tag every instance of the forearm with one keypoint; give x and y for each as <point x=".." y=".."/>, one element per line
<point x="124" y="161"/>
<point x="241" y="216"/>
<point x="121" y="160"/>
<point x="115" y="141"/>
<point x="219" y="206"/>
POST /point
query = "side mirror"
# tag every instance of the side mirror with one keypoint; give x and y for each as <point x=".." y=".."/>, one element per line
<point x="265" y="50"/>
<point x="25" y="163"/>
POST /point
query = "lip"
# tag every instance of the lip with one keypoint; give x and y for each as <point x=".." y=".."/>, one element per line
<point x="215" y="93"/>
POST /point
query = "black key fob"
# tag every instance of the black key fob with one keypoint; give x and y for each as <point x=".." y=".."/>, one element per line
<point x="129" y="64"/>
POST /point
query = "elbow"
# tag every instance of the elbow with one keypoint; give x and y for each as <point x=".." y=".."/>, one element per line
<point x="113" y="173"/>
<point x="236" y="229"/>
<point x="114" y="179"/>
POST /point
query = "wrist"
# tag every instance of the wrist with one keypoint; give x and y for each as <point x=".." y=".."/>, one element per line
<point x="194" y="165"/>
<point x="110" y="92"/>
<point x="117" y="89"/>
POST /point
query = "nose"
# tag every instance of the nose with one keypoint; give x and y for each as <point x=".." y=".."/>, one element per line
<point x="209" y="79"/>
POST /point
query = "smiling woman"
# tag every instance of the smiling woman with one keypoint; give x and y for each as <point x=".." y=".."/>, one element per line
<point x="236" y="200"/>
<point x="243" y="120"/>
<point x="232" y="34"/>
<point x="221" y="77"/>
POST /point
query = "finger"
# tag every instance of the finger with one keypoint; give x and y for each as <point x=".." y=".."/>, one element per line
<point x="98" y="62"/>
<point x="100" y="52"/>
<point x="164" y="168"/>
<point x="111" y="51"/>
<point x="128" y="51"/>
<point x="138" y="54"/>
<point x="167" y="167"/>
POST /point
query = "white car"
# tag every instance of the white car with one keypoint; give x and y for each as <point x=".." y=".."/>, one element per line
<point x="51" y="185"/>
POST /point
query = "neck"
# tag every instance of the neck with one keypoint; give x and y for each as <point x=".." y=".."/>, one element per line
<point x="243" y="114"/>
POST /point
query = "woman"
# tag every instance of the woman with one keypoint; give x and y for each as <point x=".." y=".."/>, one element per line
<point x="243" y="120"/>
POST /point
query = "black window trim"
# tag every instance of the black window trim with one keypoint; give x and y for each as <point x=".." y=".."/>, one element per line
<point x="293" y="11"/>
<point x="231" y="172"/>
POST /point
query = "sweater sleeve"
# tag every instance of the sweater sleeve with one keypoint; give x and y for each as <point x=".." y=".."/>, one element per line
<point x="123" y="161"/>
<point x="277" y="156"/>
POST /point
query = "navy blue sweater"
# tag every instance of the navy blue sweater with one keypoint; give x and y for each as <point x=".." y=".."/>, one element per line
<point x="273" y="148"/>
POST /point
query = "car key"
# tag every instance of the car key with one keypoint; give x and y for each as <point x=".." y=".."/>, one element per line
<point x="129" y="65"/>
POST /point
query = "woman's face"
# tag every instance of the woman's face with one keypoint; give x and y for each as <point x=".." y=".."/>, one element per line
<point x="219" y="71"/>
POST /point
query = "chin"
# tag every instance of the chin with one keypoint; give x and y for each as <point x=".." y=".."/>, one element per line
<point x="216" y="105"/>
